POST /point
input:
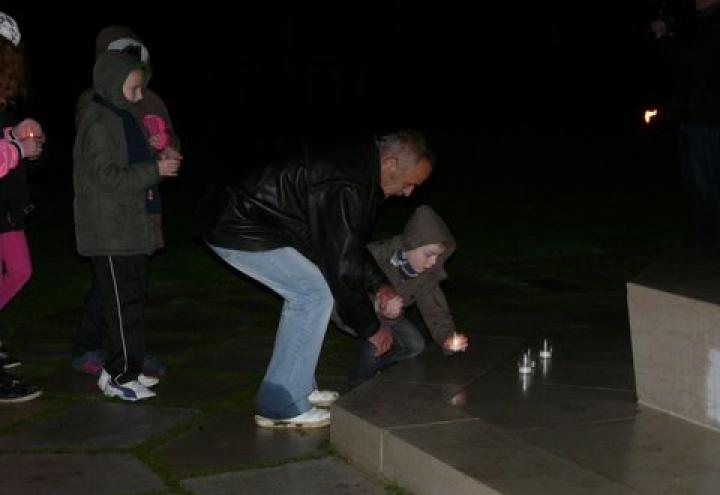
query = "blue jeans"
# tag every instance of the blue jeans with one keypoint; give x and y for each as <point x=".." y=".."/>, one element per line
<point x="700" y="164"/>
<point x="408" y="342"/>
<point x="290" y="377"/>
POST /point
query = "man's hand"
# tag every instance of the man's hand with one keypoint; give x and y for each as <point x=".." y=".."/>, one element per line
<point x="382" y="340"/>
<point x="388" y="303"/>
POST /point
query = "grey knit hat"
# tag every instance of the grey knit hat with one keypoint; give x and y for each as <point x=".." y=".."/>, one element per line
<point x="9" y="29"/>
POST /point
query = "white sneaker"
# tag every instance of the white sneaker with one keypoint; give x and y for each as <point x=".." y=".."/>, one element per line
<point x="103" y="380"/>
<point x="314" y="418"/>
<point x="144" y="380"/>
<point x="323" y="398"/>
<point x="147" y="381"/>
<point x="130" y="391"/>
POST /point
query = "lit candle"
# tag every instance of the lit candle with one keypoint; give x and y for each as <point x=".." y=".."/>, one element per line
<point x="546" y="352"/>
<point x="456" y="343"/>
<point x="525" y="365"/>
<point x="650" y="114"/>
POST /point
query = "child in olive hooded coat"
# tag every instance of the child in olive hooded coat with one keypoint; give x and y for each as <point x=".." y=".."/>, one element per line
<point x="88" y="353"/>
<point x="414" y="265"/>
<point x="113" y="169"/>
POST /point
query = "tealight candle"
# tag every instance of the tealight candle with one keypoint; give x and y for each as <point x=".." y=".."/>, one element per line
<point x="456" y="343"/>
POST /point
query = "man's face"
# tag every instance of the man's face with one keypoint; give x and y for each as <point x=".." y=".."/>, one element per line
<point x="396" y="182"/>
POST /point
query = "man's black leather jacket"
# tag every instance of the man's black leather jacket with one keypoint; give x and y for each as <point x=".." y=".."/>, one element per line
<point x="321" y="201"/>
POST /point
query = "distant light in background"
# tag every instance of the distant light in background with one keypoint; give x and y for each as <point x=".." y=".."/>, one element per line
<point x="650" y="114"/>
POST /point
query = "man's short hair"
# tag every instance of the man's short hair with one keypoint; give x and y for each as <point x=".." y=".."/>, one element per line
<point x="408" y="146"/>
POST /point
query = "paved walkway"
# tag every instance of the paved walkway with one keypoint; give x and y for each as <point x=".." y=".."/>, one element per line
<point x="447" y="425"/>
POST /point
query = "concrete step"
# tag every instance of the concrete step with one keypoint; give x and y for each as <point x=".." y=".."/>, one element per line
<point x="477" y="427"/>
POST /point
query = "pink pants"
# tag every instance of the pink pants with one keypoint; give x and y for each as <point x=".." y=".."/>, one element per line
<point x="15" y="267"/>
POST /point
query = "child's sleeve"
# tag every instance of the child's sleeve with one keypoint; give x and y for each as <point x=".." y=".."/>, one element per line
<point x="436" y="313"/>
<point x="109" y="175"/>
<point x="10" y="155"/>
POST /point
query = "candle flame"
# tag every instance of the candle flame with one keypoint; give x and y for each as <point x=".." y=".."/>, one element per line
<point x="455" y="343"/>
<point x="650" y="114"/>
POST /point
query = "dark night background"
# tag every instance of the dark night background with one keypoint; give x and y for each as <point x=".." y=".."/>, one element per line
<point x="436" y="66"/>
<point x="534" y="108"/>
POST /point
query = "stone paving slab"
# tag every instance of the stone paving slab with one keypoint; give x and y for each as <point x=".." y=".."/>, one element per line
<point x="593" y="362"/>
<point x="653" y="453"/>
<point x="472" y="457"/>
<point x="233" y="356"/>
<point x="192" y="390"/>
<point x="12" y="413"/>
<point x="386" y="403"/>
<point x="76" y="474"/>
<point x="96" y="425"/>
<point x="433" y="367"/>
<point x="66" y="381"/>
<point x="318" y="477"/>
<point x="233" y="440"/>
<point x="509" y="400"/>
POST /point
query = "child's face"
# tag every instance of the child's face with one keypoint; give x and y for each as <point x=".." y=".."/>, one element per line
<point x="424" y="257"/>
<point x="133" y="86"/>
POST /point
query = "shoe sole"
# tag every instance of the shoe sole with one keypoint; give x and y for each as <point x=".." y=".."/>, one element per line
<point x="24" y="398"/>
<point x="114" y="392"/>
<point x="281" y="424"/>
<point x="323" y="403"/>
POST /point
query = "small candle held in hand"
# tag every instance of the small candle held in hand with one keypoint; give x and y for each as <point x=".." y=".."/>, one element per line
<point x="456" y="343"/>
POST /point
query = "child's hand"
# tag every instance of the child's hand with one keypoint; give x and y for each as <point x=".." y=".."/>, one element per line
<point x="29" y="128"/>
<point x="29" y="135"/>
<point x="31" y="148"/>
<point x="168" y="167"/>
<point x="388" y="303"/>
<point x="457" y="342"/>
<point x="170" y="153"/>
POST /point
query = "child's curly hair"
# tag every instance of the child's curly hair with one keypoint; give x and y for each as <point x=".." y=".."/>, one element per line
<point x="12" y="73"/>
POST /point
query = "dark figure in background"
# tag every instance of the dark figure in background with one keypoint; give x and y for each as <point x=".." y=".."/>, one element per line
<point x="299" y="226"/>
<point x="697" y="108"/>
